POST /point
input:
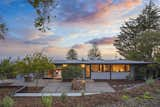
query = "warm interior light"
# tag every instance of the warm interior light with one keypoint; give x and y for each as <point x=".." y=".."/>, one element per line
<point x="64" y="65"/>
<point x="83" y="65"/>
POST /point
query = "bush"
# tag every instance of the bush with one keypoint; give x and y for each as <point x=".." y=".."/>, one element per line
<point x="47" y="101"/>
<point x="7" y="102"/>
<point x="150" y="81"/>
<point x="63" y="97"/>
<point x="71" y="72"/>
<point x="82" y="93"/>
<point x="125" y="97"/>
<point x="147" y="95"/>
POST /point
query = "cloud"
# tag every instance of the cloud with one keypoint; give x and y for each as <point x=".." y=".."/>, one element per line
<point x="80" y="46"/>
<point x="103" y="41"/>
<point x="88" y="11"/>
<point x="49" y="40"/>
<point x="13" y="48"/>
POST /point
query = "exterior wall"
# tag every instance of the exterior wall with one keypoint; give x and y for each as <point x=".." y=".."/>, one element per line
<point x="119" y="75"/>
<point x="106" y="75"/>
<point x="100" y="75"/>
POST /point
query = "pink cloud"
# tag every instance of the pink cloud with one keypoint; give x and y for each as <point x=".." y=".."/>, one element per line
<point x="103" y="41"/>
<point x="106" y="9"/>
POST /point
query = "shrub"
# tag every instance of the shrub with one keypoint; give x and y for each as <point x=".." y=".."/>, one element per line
<point x="147" y="95"/>
<point x="82" y="93"/>
<point x="125" y="97"/>
<point x="71" y="72"/>
<point x="7" y="102"/>
<point x="47" y="101"/>
<point x="63" y="97"/>
<point x="150" y="81"/>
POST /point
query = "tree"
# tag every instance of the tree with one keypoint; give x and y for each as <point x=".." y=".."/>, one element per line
<point x="71" y="72"/>
<point x="148" y="45"/>
<point x="94" y="53"/>
<point x="6" y="68"/>
<point x="36" y="63"/>
<point x="43" y="9"/>
<point x="3" y="29"/>
<point x="128" y="41"/>
<point x="40" y="65"/>
<point x="72" y="54"/>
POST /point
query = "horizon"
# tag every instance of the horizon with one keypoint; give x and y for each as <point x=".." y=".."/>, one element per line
<point x="75" y="27"/>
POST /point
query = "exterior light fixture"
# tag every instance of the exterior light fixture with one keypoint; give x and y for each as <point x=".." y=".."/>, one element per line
<point x="83" y="65"/>
<point x="64" y="65"/>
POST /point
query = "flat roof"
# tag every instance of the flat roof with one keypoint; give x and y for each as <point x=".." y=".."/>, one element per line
<point x="100" y="62"/>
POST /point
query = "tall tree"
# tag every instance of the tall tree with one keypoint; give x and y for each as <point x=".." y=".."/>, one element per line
<point x="94" y="53"/>
<point x="3" y="29"/>
<point x="127" y="42"/>
<point x="72" y="54"/>
<point x="148" y="46"/>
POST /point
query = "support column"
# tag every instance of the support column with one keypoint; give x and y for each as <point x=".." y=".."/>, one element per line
<point x="110" y="72"/>
<point x="132" y="71"/>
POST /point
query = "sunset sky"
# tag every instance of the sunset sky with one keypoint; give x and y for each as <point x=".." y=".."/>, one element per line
<point x="78" y="24"/>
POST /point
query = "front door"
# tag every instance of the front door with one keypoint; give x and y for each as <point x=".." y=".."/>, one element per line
<point x="88" y="71"/>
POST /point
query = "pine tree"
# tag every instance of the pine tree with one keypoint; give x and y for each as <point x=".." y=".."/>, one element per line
<point x="94" y="53"/>
<point x="72" y="54"/>
<point x="127" y="42"/>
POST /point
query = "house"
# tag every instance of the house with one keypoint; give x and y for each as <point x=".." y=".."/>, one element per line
<point x="101" y="69"/>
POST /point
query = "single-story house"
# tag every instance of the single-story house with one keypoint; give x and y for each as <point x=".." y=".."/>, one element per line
<point x="101" y="69"/>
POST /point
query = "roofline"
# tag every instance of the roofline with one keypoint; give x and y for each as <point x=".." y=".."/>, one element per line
<point x="101" y="62"/>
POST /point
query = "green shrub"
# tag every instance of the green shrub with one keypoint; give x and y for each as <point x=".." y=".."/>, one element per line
<point x="125" y="97"/>
<point x="150" y="81"/>
<point x="47" y="101"/>
<point x="7" y="102"/>
<point x="147" y="95"/>
<point x="71" y="72"/>
<point x="63" y="97"/>
<point x="82" y="93"/>
<point x="158" y="91"/>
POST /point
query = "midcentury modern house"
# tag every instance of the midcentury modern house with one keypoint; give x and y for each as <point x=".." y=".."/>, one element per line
<point x="101" y="69"/>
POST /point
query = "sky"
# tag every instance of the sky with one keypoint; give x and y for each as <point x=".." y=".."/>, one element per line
<point x="78" y="24"/>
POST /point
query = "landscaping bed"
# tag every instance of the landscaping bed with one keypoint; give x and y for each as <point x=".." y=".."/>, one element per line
<point x="8" y="90"/>
<point x="136" y="97"/>
<point x="30" y="90"/>
<point x="119" y="85"/>
<point x="5" y="84"/>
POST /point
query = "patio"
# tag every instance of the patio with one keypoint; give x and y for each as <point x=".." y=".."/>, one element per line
<point x="57" y="86"/>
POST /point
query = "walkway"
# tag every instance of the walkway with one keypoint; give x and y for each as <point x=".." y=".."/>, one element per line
<point x="91" y="87"/>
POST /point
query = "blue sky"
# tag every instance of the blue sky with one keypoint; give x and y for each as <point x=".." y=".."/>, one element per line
<point x="78" y="24"/>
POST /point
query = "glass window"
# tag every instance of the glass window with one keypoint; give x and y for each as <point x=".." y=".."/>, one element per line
<point x="95" y="68"/>
<point x="106" y="68"/>
<point x="128" y="68"/>
<point x="120" y="68"/>
<point x="88" y="71"/>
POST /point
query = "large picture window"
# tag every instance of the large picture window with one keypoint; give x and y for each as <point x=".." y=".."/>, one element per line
<point x="107" y="68"/>
<point x="120" y="68"/>
<point x="95" y="68"/>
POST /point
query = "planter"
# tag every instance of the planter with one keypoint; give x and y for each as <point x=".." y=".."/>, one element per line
<point x="27" y="79"/>
<point x="78" y="84"/>
<point x="67" y="80"/>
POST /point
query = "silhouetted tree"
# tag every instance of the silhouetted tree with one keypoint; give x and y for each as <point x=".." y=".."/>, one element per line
<point x="3" y="29"/>
<point x="94" y="53"/>
<point x="72" y="54"/>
